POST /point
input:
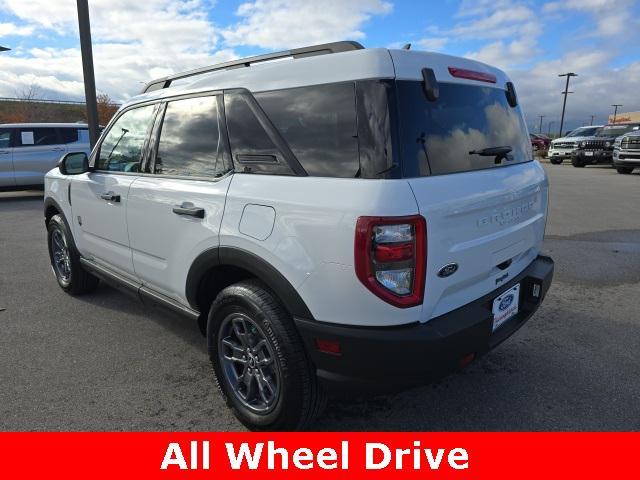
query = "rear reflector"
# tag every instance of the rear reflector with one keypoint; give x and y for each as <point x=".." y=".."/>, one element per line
<point x="472" y="75"/>
<point x="394" y="252"/>
<point x="328" y="346"/>
<point x="466" y="360"/>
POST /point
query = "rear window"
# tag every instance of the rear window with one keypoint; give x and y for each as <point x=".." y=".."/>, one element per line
<point x="436" y="137"/>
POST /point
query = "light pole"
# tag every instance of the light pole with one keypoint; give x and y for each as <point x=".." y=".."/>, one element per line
<point x="87" y="70"/>
<point x="540" y="127"/>
<point x="549" y="130"/>
<point x="592" y="117"/>
<point x="566" y="92"/>
<point x="615" y="111"/>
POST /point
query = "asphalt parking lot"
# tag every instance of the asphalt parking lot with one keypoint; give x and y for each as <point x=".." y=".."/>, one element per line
<point x="105" y="362"/>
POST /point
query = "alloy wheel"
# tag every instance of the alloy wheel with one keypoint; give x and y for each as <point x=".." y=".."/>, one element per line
<point x="249" y="363"/>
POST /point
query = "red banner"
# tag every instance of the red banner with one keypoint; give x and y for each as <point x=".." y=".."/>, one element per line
<point x="308" y="456"/>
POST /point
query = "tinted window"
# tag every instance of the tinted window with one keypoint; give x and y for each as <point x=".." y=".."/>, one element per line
<point x="74" y="135"/>
<point x="190" y="142"/>
<point x="252" y="147"/>
<point x="436" y="137"/>
<point x="121" y="149"/>
<point x="5" y="138"/>
<point x="319" y="124"/>
<point x="37" y="137"/>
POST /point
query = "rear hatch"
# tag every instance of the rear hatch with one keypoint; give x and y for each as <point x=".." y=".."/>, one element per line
<point x="485" y="211"/>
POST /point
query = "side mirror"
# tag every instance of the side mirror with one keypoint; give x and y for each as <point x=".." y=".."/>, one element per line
<point x="74" y="163"/>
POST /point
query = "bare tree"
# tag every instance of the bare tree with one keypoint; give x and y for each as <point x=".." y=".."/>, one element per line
<point x="27" y="109"/>
<point x="29" y="93"/>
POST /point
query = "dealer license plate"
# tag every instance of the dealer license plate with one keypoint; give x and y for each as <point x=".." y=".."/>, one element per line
<point x="506" y="306"/>
<point x="588" y="154"/>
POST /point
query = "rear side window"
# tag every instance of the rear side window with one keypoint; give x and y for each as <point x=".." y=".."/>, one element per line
<point x="437" y="137"/>
<point x="123" y="145"/>
<point x="190" y="143"/>
<point x="319" y="124"/>
<point x="73" y="135"/>
<point x="254" y="150"/>
<point x="5" y="137"/>
<point x="37" y="137"/>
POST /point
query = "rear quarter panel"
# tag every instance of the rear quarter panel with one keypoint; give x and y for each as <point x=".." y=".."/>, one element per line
<point x="312" y="241"/>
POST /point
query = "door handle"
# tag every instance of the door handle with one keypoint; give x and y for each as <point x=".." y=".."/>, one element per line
<point x="58" y="149"/>
<point x="4" y="153"/>
<point x="188" y="209"/>
<point x="110" y="197"/>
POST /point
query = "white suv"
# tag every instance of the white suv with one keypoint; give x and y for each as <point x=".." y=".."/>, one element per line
<point x="347" y="218"/>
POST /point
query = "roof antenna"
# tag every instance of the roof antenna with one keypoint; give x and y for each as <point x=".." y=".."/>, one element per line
<point x="406" y="46"/>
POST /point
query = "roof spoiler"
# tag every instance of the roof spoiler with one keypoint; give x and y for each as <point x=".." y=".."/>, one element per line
<point x="323" y="49"/>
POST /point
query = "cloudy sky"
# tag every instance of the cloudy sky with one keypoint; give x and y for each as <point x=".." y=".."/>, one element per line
<point x="135" y="41"/>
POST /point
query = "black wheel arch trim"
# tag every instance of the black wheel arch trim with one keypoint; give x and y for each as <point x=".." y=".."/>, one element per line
<point x="50" y="202"/>
<point x="260" y="268"/>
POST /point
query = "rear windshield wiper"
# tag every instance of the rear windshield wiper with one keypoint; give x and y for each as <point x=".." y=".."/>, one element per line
<point x="492" y="151"/>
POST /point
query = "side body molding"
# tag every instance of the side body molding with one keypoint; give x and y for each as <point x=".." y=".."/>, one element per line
<point x="237" y="257"/>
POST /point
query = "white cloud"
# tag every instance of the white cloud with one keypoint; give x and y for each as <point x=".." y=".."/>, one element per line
<point x="612" y="17"/>
<point x="7" y="29"/>
<point x="291" y="23"/>
<point x="595" y="89"/>
<point x="433" y="43"/>
<point x="133" y="43"/>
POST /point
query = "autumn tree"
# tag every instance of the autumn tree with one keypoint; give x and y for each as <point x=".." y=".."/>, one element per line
<point x="106" y="108"/>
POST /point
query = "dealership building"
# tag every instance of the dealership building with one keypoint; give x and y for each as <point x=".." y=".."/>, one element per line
<point x="628" y="117"/>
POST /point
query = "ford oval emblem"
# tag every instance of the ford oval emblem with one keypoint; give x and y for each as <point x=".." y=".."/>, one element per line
<point x="448" y="270"/>
<point x="506" y="302"/>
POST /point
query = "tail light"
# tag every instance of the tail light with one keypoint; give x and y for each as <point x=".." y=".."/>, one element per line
<point x="391" y="258"/>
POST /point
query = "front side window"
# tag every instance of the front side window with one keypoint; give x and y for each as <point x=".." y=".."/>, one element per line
<point x="190" y="143"/>
<point x="37" y="137"/>
<point x="123" y="145"/>
<point x="319" y="125"/>
<point x="456" y="132"/>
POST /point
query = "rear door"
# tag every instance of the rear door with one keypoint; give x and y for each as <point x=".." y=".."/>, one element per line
<point x="485" y="209"/>
<point x="37" y="150"/>
<point x="99" y="198"/>
<point x="174" y="212"/>
<point x="7" y="178"/>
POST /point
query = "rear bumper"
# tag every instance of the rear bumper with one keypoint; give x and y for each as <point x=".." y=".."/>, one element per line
<point x="397" y="357"/>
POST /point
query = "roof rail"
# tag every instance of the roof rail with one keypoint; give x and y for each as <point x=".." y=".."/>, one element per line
<point x="325" y="48"/>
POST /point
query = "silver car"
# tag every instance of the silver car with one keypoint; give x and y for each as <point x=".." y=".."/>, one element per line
<point x="29" y="150"/>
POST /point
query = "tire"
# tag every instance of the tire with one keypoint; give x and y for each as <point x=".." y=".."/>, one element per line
<point x="577" y="162"/>
<point x="65" y="259"/>
<point x="292" y="397"/>
<point x="624" y="170"/>
<point x="555" y="161"/>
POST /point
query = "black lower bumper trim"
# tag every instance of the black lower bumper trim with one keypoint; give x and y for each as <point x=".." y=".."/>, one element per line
<point x="597" y="156"/>
<point x="397" y="357"/>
